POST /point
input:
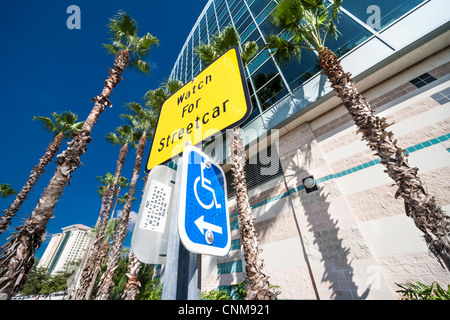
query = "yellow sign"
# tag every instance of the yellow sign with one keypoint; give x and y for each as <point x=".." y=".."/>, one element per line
<point x="215" y="100"/>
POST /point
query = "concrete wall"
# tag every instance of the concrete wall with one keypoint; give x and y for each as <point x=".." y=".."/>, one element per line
<point x="351" y="239"/>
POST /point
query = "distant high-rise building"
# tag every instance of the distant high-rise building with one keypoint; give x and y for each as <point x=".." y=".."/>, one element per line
<point x="64" y="248"/>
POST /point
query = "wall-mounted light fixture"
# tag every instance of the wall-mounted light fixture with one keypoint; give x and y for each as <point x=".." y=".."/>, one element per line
<point x="310" y="184"/>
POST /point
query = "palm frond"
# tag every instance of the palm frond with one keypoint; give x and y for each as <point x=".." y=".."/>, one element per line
<point x="288" y="14"/>
<point x="112" y="138"/>
<point x="110" y="48"/>
<point x="207" y="53"/>
<point x="155" y="99"/>
<point x="172" y="85"/>
<point x="122" y="25"/>
<point x="249" y="50"/>
<point x="140" y="65"/>
<point x="283" y="50"/>
<point x="226" y="39"/>
<point x="47" y="123"/>
<point x="6" y="190"/>
<point x="147" y="41"/>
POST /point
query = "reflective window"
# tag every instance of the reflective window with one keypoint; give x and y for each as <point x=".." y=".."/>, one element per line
<point x="267" y="71"/>
<point x="265" y="13"/>
<point x="235" y="5"/>
<point x="211" y="18"/>
<point x="258" y="6"/>
<point x="352" y="34"/>
<point x="267" y="28"/>
<point x="248" y="32"/>
<point x="238" y="14"/>
<point x="245" y="16"/>
<point x="236" y="9"/>
<point x="258" y="61"/>
<point x="387" y="11"/>
<point x="272" y="91"/>
<point x="244" y="25"/>
<point x="224" y="22"/>
<point x="297" y="73"/>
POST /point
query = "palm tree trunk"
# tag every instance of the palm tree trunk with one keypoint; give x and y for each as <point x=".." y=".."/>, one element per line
<point x="101" y="259"/>
<point x="87" y="253"/>
<point x="88" y="277"/>
<point x="132" y="287"/>
<point x="420" y="206"/>
<point x="258" y="282"/>
<point x="36" y="172"/>
<point x="17" y="255"/>
<point x="134" y="265"/>
<point x="107" y="280"/>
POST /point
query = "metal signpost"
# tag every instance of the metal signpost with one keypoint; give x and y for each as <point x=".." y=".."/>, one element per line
<point x="199" y="223"/>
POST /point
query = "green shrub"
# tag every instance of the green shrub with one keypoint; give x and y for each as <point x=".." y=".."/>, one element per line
<point x="420" y="291"/>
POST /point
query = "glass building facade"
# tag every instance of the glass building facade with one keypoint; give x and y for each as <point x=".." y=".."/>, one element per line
<point x="269" y="82"/>
<point x="333" y="243"/>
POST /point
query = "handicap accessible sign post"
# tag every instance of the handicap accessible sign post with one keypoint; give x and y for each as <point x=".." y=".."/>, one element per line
<point x="199" y="223"/>
<point x="203" y="222"/>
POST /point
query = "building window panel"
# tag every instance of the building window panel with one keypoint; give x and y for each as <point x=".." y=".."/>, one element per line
<point x="296" y="73"/>
<point x="256" y="174"/>
<point x="272" y="91"/>
<point x="238" y="14"/>
<point x="248" y="32"/>
<point x="258" y="6"/>
<point x="265" y="13"/>
<point x="224" y="22"/>
<point x="235" y="5"/>
<point x="352" y="34"/>
<point x="244" y="21"/>
<point x="267" y="28"/>
<point x="258" y="61"/>
<point x="389" y="10"/>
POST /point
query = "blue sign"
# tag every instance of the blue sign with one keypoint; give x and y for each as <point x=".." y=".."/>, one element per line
<point x="203" y="222"/>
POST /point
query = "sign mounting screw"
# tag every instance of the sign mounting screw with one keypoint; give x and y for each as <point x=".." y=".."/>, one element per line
<point x="209" y="237"/>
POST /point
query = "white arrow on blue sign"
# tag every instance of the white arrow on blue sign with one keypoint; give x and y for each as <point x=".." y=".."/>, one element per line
<point x="203" y="222"/>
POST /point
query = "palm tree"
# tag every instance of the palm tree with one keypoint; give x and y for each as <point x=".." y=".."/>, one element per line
<point x="132" y="286"/>
<point x="103" y="190"/>
<point x="153" y="99"/>
<point x="17" y="256"/>
<point x="124" y="136"/>
<point x="258" y="283"/>
<point x="308" y="24"/>
<point x="6" y="190"/>
<point x="64" y="127"/>
<point x="111" y="227"/>
<point x="142" y="120"/>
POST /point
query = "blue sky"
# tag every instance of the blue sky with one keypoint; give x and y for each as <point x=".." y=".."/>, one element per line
<point x="48" y="68"/>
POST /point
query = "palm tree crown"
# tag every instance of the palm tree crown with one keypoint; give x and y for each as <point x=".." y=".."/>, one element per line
<point x="65" y="123"/>
<point x="306" y="24"/>
<point x="124" y="134"/>
<point x="124" y="34"/>
<point x="223" y="41"/>
<point x="6" y="190"/>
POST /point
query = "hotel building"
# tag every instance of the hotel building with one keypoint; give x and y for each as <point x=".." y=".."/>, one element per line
<point x="64" y="248"/>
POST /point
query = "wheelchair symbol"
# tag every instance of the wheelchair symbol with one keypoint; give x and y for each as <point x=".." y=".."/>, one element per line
<point x="205" y="184"/>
